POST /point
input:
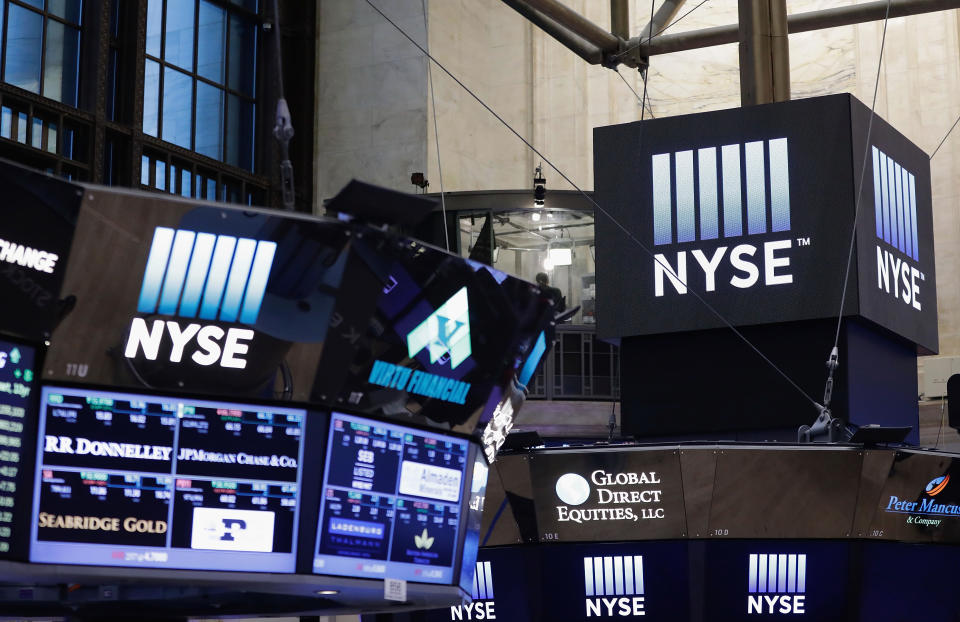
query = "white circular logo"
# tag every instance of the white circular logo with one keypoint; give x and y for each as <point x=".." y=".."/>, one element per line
<point x="573" y="489"/>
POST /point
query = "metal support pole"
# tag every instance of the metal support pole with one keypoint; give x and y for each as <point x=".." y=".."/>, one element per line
<point x="779" y="51"/>
<point x="576" y="44"/>
<point x="800" y="22"/>
<point x="620" y="18"/>
<point x="756" y="73"/>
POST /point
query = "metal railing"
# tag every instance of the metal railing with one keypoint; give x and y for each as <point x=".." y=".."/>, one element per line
<point x="579" y="367"/>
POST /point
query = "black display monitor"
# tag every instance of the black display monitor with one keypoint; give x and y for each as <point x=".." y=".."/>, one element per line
<point x="392" y="502"/>
<point x="138" y="480"/>
<point x="17" y="414"/>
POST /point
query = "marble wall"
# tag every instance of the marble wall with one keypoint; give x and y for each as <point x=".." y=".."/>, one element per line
<point x="371" y="95"/>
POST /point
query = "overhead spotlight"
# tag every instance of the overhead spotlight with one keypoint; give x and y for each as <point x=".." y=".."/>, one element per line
<point x="535" y="217"/>
<point x="539" y="187"/>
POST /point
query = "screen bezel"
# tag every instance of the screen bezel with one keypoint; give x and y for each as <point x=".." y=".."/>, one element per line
<point x="472" y="452"/>
<point x="310" y="428"/>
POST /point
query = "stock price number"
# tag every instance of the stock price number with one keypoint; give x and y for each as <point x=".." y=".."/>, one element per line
<point x="366" y="456"/>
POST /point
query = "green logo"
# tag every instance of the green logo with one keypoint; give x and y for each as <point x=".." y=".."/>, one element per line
<point x="423" y="541"/>
<point x="15" y="356"/>
<point x="445" y="332"/>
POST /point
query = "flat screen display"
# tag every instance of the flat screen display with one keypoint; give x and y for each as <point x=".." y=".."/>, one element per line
<point x="16" y="414"/>
<point x="391" y="503"/>
<point x="153" y="481"/>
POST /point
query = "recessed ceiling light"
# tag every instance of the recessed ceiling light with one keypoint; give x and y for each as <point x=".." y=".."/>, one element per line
<point x="327" y="592"/>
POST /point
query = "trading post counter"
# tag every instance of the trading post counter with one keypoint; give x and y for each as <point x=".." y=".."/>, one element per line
<point x="193" y="507"/>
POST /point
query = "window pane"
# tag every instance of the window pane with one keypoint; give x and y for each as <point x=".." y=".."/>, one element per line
<point x="36" y="133"/>
<point x="243" y="50"/>
<point x="177" y="107"/>
<point x="179" y="44"/>
<point x="6" y="122"/>
<point x="240" y="146"/>
<point x="161" y="180"/>
<point x="69" y="10"/>
<point x="61" y="63"/>
<point x="151" y="97"/>
<point x="154" y="26"/>
<point x="211" y="42"/>
<point x="209" y="121"/>
<point x="145" y="170"/>
<point x="36" y="3"/>
<point x="24" y="31"/>
<point x="185" y="182"/>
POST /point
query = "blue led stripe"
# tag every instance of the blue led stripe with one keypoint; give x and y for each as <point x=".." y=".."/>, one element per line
<point x="475" y="594"/>
<point x="762" y="573"/>
<point x="628" y="575"/>
<point x="197" y="274"/>
<point x="217" y="277"/>
<point x="892" y="189"/>
<point x="756" y="188"/>
<point x="913" y="215"/>
<point x="257" y="287"/>
<point x="904" y="192"/>
<point x="732" y="204"/>
<point x="898" y="190"/>
<point x="709" y="205"/>
<point x="176" y="272"/>
<point x="618" y="574"/>
<point x="772" y="573"/>
<point x="686" y="223"/>
<point x="662" y="233"/>
<point x="877" y="200"/>
<point x="779" y="185"/>
<point x="781" y="573"/>
<point x="608" y="587"/>
<point x="638" y="573"/>
<point x="237" y="281"/>
<point x="885" y="198"/>
<point x="792" y="573"/>
<point x="156" y="267"/>
<point x="481" y="582"/>
<point x="598" y="576"/>
<point x="802" y="573"/>
<point x="488" y="573"/>
<point x="752" y="574"/>
<point x="588" y="575"/>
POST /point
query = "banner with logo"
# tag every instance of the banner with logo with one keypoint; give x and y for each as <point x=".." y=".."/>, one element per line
<point x="36" y="230"/>
<point x="180" y="295"/>
<point x="920" y="500"/>
<point x="752" y="210"/>
<point x="595" y="496"/>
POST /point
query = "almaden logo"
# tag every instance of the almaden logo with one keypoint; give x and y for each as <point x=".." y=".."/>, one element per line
<point x="618" y="496"/>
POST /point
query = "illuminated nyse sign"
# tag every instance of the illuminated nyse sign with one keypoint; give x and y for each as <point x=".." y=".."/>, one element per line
<point x="618" y="497"/>
<point x="895" y="211"/>
<point x="719" y="196"/>
<point x="777" y="583"/>
<point x="613" y="586"/>
<point x="203" y="276"/>
<point x="483" y="606"/>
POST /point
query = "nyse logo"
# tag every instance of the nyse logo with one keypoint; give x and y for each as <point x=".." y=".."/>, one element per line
<point x="613" y="585"/>
<point x="895" y="211"/>
<point x="777" y="583"/>
<point x="698" y="182"/>
<point x="445" y="333"/>
<point x="482" y="607"/>
<point x="203" y="276"/>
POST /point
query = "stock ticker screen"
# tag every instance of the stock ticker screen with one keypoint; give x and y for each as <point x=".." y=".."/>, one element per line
<point x="391" y="501"/>
<point x="152" y="481"/>
<point x="16" y="411"/>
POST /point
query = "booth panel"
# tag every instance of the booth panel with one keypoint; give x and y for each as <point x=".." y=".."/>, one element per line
<point x="18" y="413"/>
